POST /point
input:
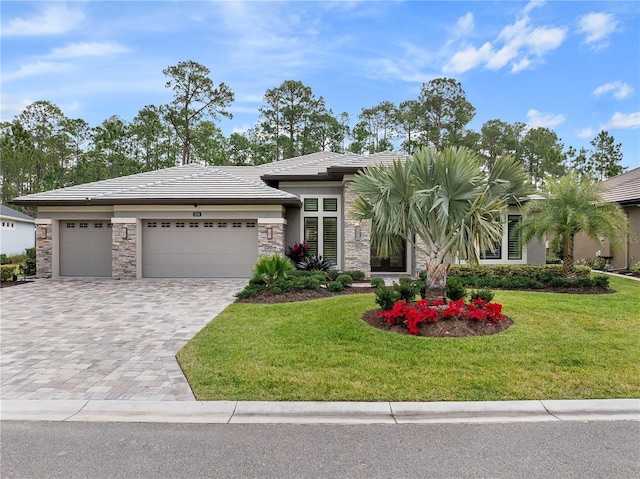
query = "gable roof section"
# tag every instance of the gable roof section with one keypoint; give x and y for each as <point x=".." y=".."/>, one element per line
<point x="178" y="185"/>
<point x="7" y="212"/>
<point x="624" y="188"/>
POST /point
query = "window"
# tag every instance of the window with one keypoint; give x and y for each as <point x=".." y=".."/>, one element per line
<point x="513" y="237"/>
<point x="71" y="225"/>
<point x="251" y="224"/>
<point x="84" y="225"/>
<point x="311" y="204"/>
<point x="179" y="224"/>
<point x="321" y="226"/>
<point x="208" y="224"/>
<point x="151" y="224"/>
<point x="222" y="224"/>
<point x="193" y="224"/>
<point x="97" y="225"/>
<point x="109" y="225"/>
<point x="165" y="224"/>
<point x="495" y="253"/>
<point x="237" y="224"/>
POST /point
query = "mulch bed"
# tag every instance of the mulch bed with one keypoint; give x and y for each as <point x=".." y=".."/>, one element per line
<point x="267" y="297"/>
<point x="7" y="284"/>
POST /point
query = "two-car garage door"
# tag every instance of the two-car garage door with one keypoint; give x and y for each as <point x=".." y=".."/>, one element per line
<point x="198" y="248"/>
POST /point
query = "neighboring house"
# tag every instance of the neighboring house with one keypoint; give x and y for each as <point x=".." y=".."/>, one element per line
<point x="214" y="221"/>
<point x="17" y="233"/>
<point x="620" y="253"/>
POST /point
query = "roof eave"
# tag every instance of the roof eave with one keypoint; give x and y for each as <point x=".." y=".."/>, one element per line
<point x="161" y="201"/>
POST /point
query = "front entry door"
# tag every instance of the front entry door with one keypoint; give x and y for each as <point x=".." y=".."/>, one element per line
<point x="396" y="263"/>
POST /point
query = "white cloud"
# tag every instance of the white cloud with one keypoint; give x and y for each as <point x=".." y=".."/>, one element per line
<point x="464" y="26"/>
<point x="37" y="68"/>
<point x="537" y="119"/>
<point x="87" y="49"/>
<point x="11" y="106"/>
<point x="586" y="132"/>
<point x="53" y="19"/>
<point x="520" y="45"/>
<point x="620" y="89"/>
<point x="242" y="129"/>
<point x="623" y="121"/>
<point x="597" y="27"/>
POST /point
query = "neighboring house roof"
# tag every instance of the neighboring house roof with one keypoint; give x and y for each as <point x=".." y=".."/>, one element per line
<point x="624" y="188"/>
<point x="6" y="212"/>
<point x="200" y="184"/>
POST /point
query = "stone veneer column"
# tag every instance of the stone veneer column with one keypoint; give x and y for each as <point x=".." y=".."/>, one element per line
<point x="421" y="258"/>
<point x="266" y="246"/>
<point x="44" y="249"/>
<point x="124" y="245"/>
<point x="356" y="237"/>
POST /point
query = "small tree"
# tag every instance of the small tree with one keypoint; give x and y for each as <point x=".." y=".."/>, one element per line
<point x="573" y="204"/>
<point x="443" y="198"/>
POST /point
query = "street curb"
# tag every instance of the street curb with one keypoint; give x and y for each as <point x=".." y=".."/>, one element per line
<point x="257" y="412"/>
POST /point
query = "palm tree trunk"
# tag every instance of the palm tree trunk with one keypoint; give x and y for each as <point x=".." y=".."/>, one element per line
<point x="436" y="281"/>
<point x="568" y="268"/>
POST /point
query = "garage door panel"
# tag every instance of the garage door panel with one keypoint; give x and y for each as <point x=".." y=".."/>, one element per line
<point x="203" y="251"/>
<point x="85" y="249"/>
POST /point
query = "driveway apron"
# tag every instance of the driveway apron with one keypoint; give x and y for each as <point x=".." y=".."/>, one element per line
<point x="103" y="339"/>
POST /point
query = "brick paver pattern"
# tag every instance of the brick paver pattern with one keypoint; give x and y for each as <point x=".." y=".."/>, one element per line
<point x="103" y="339"/>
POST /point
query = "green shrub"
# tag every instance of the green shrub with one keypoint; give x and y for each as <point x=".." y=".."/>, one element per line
<point x="554" y="261"/>
<point x="601" y="281"/>
<point x="635" y="269"/>
<point x="3" y="259"/>
<point x="344" y="280"/>
<point x="306" y="282"/>
<point x="485" y="294"/>
<point x="250" y="290"/>
<point x="272" y="268"/>
<point x="357" y="275"/>
<point x="29" y="266"/>
<point x="335" y="286"/>
<point x="455" y="289"/>
<point x="583" y="282"/>
<point x="332" y="274"/>
<point x="406" y="289"/>
<point x="7" y="271"/>
<point x="386" y="297"/>
<point x="377" y="282"/>
<point x="281" y="286"/>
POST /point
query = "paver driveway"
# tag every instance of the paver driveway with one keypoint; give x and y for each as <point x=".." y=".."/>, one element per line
<point x="103" y="339"/>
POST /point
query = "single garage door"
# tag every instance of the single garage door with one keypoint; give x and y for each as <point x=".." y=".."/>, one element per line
<point x="85" y="248"/>
<point x="199" y="248"/>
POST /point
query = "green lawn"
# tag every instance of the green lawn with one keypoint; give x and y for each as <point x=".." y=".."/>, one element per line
<point x="560" y="347"/>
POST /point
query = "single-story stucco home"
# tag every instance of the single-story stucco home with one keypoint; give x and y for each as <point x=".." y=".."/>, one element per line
<point x="17" y="233"/>
<point x="621" y="253"/>
<point x="196" y="221"/>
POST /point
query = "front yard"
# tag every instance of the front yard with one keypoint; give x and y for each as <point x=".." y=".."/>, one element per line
<point x="561" y="346"/>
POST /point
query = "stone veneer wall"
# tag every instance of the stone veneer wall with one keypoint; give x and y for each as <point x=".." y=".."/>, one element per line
<point x="357" y="252"/>
<point x="44" y="251"/>
<point x="268" y="247"/>
<point x="123" y="251"/>
<point x="421" y="258"/>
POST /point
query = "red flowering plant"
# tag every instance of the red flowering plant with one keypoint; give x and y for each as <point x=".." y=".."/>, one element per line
<point x="412" y="315"/>
<point x="298" y="252"/>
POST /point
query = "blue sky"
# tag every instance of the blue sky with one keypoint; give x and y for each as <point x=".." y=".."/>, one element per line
<point x="571" y="66"/>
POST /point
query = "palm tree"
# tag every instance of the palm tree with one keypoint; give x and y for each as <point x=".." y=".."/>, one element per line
<point x="572" y="204"/>
<point x="442" y="198"/>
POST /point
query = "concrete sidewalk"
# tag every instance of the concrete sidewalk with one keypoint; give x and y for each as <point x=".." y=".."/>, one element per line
<point x="250" y="412"/>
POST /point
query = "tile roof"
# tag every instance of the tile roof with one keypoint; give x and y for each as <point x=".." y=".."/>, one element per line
<point x="187" y="183"/>
<point x="624" y="188"/>
<point x="209" y="184"/>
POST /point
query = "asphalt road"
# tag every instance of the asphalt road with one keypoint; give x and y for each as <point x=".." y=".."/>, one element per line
<point x="607" y="449"/>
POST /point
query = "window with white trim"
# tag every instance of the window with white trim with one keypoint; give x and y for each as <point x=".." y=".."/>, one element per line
<point x="321" y="226"/>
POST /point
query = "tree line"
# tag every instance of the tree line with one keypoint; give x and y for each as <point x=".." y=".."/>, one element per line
<point x="42" y="149"/>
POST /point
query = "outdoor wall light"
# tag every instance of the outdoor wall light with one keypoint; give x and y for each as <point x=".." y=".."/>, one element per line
<point x="125" y="232"/>
<point x="358" y="233"/>
<point x="43" y="233"/>
<point x="269" y="233"/>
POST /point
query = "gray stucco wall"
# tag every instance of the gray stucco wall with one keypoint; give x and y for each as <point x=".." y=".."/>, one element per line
<point x="536" y="252"/>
